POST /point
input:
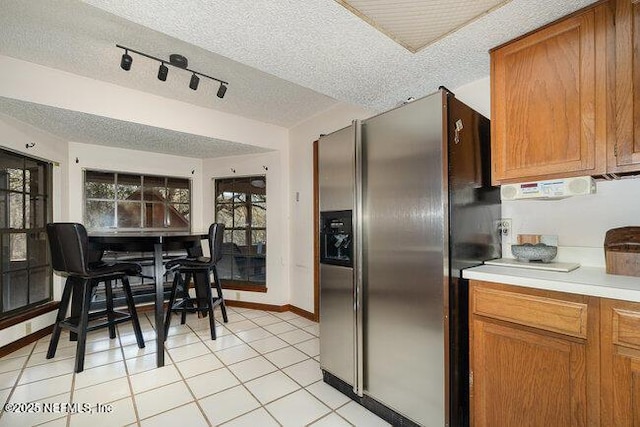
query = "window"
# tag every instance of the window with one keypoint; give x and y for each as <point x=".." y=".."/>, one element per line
<point x="241" y="205"/>
<point x="127" y="201"/>
<point x="25" y="209"/>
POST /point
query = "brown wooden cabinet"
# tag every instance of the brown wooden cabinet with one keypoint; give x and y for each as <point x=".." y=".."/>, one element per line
<point x="565" y="99"/>
<point x="620" y="363"/>
<point x="625" y="153"/>
<point x="534" y="357"/>
<point x="549" y="101"/>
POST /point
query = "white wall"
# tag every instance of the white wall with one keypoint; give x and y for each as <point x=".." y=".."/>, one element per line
<point x="301" y="140"/>
<point x="14" y="135"/>
<point x="579" y="222"/>
<point x="274" y="166"/>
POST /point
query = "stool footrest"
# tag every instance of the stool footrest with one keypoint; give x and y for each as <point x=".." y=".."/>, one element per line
<point x="71" y="323"/>
<point x="190" y="307"/>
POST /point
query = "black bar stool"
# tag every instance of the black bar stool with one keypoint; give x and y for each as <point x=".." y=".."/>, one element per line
<point x="200" y="268"/>
<point x="70" y="256"/>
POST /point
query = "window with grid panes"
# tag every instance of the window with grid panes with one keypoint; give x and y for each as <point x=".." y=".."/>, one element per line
<point x="241" y="205"/>
<point x="25" y="209"/>
<point x="115" y="200"/>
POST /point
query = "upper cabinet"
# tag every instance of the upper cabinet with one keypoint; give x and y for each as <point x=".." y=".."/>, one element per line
<point x="625" y="155"/>
<point x="549" y="100"/>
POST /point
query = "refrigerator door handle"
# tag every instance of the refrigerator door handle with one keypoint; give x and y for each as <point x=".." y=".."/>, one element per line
<point x="358" y="383"/>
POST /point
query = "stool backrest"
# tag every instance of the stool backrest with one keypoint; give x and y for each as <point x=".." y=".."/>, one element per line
<point x="216" y="235"/>
<point x="68" y="243"/>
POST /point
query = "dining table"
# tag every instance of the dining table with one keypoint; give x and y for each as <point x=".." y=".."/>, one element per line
<point x="157" y="243"/>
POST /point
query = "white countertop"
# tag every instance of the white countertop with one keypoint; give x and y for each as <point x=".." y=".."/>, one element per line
<point x="585" y="281"/>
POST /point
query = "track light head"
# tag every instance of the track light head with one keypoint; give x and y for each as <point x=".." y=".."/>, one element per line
<point x="125" y="62"/>
<point x="222" y="90"/>
<point x="195" y="80"/>
<point x="162" y="72"/>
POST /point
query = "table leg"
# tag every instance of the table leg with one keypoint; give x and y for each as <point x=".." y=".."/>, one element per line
<point x="159" y="279"/>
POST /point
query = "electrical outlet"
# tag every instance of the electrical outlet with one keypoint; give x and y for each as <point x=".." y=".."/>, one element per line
<point x="504" y="228"/>
<point x="237" y="296"/>
<point x="27" y="328"/>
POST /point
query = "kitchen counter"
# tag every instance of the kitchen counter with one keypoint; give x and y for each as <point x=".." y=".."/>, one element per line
<point x="585" y="281"/>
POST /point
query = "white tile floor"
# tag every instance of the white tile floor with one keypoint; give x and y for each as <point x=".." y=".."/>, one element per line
<point x="262" y="370"/>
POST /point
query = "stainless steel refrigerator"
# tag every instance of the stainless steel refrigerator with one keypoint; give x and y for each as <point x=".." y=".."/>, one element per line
<point x="406" y="203"/>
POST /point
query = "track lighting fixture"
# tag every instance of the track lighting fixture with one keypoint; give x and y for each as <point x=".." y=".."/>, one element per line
<point x="193" y="84"/>
<point x="162" y="72"/>
<point x="175" y="60"/>
<point x="222" y="90"/>
<point x="125" y="62"/>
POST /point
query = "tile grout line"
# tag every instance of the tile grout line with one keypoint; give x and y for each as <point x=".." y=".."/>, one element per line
<point x="17" y="381"/>
<point x="297" y="323"/>
<point x="126" y="371"/>
<point x="242" y="383"/>
<point x="300" y="386"/>
<point x="195" y="399"/>
<point x="183" y="378"/>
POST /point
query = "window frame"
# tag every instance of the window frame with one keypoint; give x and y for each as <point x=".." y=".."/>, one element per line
<point x="44" y="193"/>
<point x="231" y="283"/>
<point x="166" y="203"/>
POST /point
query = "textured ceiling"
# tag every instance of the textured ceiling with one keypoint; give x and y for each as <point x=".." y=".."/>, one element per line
<point x="78" y="38"/>
<point x="320" y="45"/>
<point x="285" y="60"/>
<point x="417" y="23"/>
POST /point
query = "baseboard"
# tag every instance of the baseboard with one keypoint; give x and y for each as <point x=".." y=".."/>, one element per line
<point x="24" y="341"/>
<point x="300" y="312"/>
<point x="10" y="348"/>
<point x="255" y="305"/>
<point x="271" y="307"/>
<point x="251" y="305"/>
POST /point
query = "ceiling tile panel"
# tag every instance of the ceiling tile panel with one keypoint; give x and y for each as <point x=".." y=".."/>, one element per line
<point x="415" y="24"/>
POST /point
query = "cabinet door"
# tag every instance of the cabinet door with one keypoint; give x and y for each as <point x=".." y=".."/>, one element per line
<point x="620" y="363"/>
<point x="526" y="378"/>
<point x="548" y="101"/>
<point x="627" y="144"/>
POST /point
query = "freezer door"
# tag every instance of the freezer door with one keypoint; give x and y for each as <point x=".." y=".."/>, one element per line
<point x="336" y="170"/>
<point x="336" y="178"/>
<point x="405" y="260"/>
<point x="336" y="322"/>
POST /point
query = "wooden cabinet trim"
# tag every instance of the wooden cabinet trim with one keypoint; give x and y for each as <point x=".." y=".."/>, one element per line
<point x="564" y="317"/>
<point x="627" y="86"/>
<point x="626" y="328"/>
<point x="550" y="24"/>
<point x="620" y="367"/>
<point x="586" y="155"/>
<point x="563" y="363"/>
<point x="488" y="410"/>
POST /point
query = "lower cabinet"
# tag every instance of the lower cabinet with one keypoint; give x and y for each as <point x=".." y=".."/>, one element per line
<point x="620" y="363"/>
<point x="534" y="357"/>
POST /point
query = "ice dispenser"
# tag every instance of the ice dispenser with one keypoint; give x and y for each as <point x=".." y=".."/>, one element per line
<point x="336" y="238"/>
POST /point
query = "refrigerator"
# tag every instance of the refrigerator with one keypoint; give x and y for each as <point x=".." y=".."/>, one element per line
<point x="406" y="203"/>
